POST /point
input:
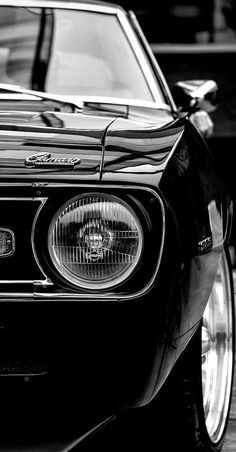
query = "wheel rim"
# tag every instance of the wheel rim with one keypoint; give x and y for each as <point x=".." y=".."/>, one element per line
<point x="217" y="354"/>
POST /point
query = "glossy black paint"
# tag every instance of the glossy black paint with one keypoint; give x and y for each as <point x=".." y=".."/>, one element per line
<point x="171" y="161"/>
<point x="70" y="351"/>
<point x="130" y="345"/>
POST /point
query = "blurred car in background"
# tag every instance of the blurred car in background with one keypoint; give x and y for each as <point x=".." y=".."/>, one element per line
<point x="116" y="297"/>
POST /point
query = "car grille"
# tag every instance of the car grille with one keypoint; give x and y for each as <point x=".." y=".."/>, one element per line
<point x="17" y="215"/>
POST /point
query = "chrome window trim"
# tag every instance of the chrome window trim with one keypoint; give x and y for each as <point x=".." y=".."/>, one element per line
<point x="142" y="61"/>
<point x="60" y="5"/>
<point x="149" y="50"/>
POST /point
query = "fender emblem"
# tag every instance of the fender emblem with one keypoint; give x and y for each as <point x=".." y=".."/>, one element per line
<point x="205" y="245"/>
<point x="45" y="159"/>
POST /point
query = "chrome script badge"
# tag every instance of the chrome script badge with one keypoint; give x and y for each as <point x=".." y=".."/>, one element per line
<point x="45" y="159"/>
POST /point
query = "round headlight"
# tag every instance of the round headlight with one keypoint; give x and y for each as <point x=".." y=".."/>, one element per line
<point x="95" y="241"/>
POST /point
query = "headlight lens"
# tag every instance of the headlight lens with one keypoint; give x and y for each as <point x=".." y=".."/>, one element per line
<point x="95" y="241"/>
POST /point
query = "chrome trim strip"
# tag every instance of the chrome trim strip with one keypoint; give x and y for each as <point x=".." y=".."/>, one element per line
<point x="144" y="66"/>
<point x="154" y="61"/>
<point x="16" y="184"/>
<point x="47" y="281"/>
<point x="24" y="375"/>
<point x="16" y="281"/>
<point x="60" y="5"/>
<point x="17" y="295"/>
<point x="13" y="198"/>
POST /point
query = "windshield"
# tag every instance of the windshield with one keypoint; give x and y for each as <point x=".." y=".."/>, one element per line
<point x="70" y="52"/>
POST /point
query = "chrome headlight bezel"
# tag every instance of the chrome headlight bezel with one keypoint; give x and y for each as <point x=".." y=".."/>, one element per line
<point x="113" y="280"/>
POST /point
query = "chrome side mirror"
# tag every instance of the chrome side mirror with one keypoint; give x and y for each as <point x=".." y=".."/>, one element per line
<point x="192" y="95"/>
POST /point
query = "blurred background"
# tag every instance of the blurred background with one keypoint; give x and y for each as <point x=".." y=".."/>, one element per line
<point x="195" y="39"/>
<point x="185" y="21"/>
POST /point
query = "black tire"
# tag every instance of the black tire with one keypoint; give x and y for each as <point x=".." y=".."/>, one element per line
<point x="196" y="401"/>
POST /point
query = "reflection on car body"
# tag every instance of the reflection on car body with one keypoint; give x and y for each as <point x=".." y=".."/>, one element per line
<point x="115" y="287"/>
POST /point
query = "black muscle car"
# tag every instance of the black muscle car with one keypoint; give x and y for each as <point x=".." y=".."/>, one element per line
<point x="116" y="296"/>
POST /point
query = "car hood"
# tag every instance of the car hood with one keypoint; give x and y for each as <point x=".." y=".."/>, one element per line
<point x="60" y="135"/>
<point x="84" y="146"/>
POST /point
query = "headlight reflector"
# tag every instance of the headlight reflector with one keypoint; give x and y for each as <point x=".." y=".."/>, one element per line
<point x="95" y="241"/>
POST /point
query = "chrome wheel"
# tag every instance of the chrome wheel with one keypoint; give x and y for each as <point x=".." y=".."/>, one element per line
<point x="217" y="353"/>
